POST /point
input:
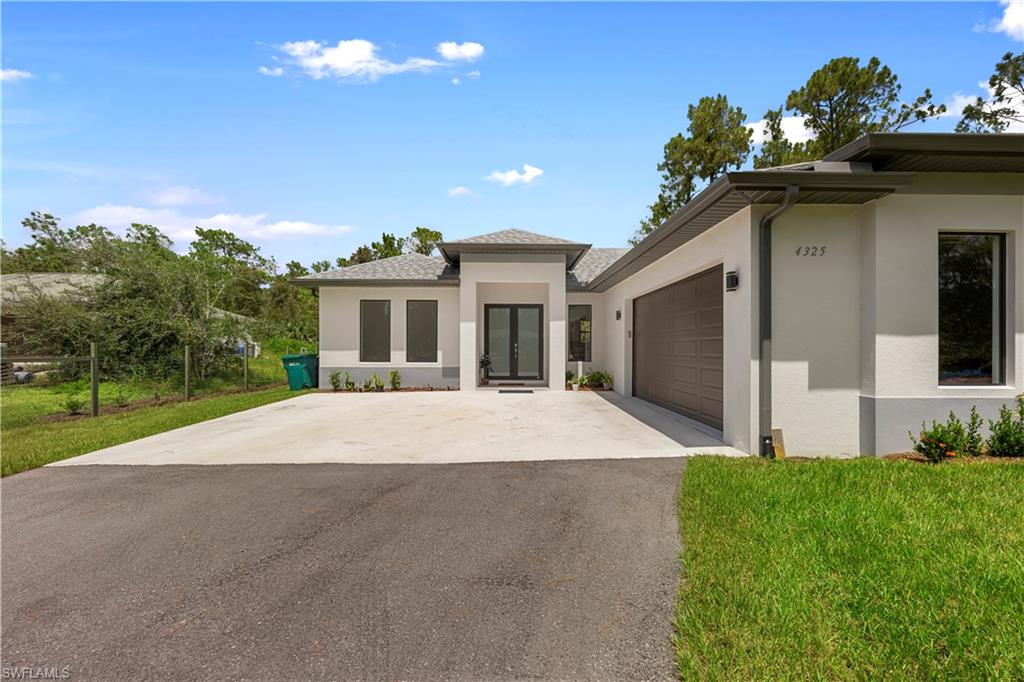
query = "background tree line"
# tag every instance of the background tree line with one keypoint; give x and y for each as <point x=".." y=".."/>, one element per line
<point x="840" y="102"/>
<point x="153" y="300"/>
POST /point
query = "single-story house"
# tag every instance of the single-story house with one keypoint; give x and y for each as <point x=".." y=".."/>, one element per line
<point x="833" y="305"/>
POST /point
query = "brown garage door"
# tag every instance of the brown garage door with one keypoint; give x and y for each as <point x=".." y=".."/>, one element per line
<point x="677" y="347"/>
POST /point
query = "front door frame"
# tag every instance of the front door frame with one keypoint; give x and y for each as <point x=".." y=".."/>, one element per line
<point x="513" y="321"/>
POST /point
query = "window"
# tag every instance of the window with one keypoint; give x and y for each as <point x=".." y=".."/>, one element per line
<point x="579" y="332"/>
<point x="375" y="331"/>
<point x="421" y="331"/>
<point x="971" y="303"/>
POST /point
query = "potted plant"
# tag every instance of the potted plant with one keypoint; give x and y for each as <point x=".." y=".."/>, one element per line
<point x="485" y="368"/>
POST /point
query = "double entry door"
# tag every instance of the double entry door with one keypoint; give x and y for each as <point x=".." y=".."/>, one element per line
<point x="514" y="340"/>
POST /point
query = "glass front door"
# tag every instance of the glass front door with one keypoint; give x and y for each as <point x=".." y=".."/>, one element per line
<point x="514" y="340"/>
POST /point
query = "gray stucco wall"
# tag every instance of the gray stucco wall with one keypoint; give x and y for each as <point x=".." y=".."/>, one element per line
<point x="886" y="421"/>
<point x="416" y="377"/>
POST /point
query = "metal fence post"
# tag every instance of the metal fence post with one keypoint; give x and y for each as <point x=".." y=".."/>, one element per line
<point x="94" y="379"/>
<point x="245" y="366"/>
<point x="188" y="372"/>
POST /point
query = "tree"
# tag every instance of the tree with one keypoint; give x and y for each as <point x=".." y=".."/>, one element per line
<point x="320" y="265"/>
<point x="776" y="150"/>
<point x="237" y="268"/>
<point x="294" y="268"/>
<point x="843" y="101"/>
<point x="717" y="140"/>
<point x="1005" y="106"/>
<point x="388" y="246"/>
<point x="423" y="240"/>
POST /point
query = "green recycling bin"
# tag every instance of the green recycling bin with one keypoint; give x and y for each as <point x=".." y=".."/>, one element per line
<point x="302" y="371"/>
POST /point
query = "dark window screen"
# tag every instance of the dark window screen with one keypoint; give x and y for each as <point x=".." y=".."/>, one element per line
<point x="421" y="331"/>
<point x="970" y="309"/>
<point x="375" y="331"/>
<point x="579" y="332"/>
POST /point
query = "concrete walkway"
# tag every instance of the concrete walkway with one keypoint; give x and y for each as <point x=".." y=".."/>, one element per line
<point x="424" y="428"/>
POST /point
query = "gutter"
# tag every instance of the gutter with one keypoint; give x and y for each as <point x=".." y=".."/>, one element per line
<point x="764" y="401"/>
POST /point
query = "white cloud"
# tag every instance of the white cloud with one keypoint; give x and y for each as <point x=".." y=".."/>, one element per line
<point x="465" y="52"/>
<point x="455" y="81"/>
<point x="267" y="71"/>
<point x="956" y="103"/>
<point x="1012" y="22"/>
<point x="182" y="196"/>
<point x="354" y="60"/>
<point x="792" y="127"/>
<point x="459" y="191"/>
<point x="182" y="228"/>
<point x="514" y="177"/>
<point x="14" y="75"/>
<point x="473" y="74"/>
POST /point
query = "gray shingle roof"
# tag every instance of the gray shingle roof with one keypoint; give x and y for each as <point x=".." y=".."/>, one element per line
<point x="17" y="285"/>
<point x="593" y="263"/>
<point x="512" y="237"/>
<point x="407" y="267"/>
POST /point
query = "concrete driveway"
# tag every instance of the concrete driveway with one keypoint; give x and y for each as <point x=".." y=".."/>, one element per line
<point x="437" y="427"/>
<point x="544" y="570"/>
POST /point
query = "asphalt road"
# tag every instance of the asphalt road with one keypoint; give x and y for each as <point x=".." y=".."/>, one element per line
<point x="545" y="570"/>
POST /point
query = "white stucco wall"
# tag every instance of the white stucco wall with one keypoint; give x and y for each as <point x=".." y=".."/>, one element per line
<point x="816" y="367"/>
<point x="339" y="327"/>
<point x="732" y="244"/>
<point x="478" y="275"/>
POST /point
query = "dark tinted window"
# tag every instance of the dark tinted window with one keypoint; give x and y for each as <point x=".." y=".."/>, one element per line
<point x="375" y="331"/>
<point x="579" y="332"/>
<point x="970" y="309"/>
<point x="421" y="331"/>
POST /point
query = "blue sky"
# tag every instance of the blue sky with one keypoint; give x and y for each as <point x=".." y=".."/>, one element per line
<point x="119" y="113"/>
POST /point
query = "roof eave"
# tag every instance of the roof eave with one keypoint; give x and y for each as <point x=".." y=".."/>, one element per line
<point x="316" y="282"/>
<point x="752" y="181"/>
<point x="452" y="251"/>
<point x="944" y="144"/>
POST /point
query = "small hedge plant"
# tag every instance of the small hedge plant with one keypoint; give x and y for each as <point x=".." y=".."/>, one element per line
<point x="395" y="378"/>
<point x="335" y="379"/>
<point x="942" y="441"/>
<point x="1007" y="432"/>
<point x="951" y="439"/>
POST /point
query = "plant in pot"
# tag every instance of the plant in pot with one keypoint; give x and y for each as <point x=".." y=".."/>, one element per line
<point x="485" y="368"/>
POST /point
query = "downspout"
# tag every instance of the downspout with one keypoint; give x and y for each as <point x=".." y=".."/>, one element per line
<point x="765" y="304"/>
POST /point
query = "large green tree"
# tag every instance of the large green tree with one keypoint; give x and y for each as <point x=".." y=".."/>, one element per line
<point x="423" y="240"/>
<point x="239" y="272"/>
<point x="716" y="140"/>
<point x="1005" y="106"/>
<point x="843" y="101"/>
<point x="777" y="150"/>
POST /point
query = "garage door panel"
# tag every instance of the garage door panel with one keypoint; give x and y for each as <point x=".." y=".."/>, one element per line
<point x="678" y="347"/>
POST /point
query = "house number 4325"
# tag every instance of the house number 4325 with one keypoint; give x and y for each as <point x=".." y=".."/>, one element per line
<point x="811" y="250"/>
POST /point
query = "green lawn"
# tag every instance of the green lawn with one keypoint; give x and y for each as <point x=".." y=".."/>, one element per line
<point x="33" y="445"/>
<point x="861" y="569"/>
<point x="23" y="404"/>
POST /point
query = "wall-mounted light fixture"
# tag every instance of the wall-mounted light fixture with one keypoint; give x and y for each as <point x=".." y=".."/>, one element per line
<point x="732" y="280"/>
<point x="618" y="315"/>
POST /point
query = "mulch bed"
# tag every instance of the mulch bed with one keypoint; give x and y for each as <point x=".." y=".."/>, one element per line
<point x="918" y="457"/>
<point x="142" y="404"/>
<point x="589" y="388"/>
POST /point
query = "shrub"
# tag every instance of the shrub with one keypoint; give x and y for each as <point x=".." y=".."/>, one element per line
<point x="951" y="439"/>
<point x="395" y="377"/>
<point x="349" y="384"/>
<point x="570" y="376"/>
<point x="368" y="384"/>
<point x="597" y="378"/>
<point x="1007" y="432"/>
<point x="120" y="396"/>
<point x="335" y="380"/>
<point x="74" y="403"/>
<point x="378" y="383"/>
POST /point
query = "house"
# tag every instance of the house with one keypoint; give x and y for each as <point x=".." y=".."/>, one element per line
<point x="833" y="305"/>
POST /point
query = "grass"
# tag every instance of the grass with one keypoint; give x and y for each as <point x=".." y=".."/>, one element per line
<point x="36" y="444"/>
<point x="24" y="404"/>
<point x="860" y="569"/>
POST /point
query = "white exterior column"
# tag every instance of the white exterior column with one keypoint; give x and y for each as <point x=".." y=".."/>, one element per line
<point x="557" y="334"/>
<point x="468" y="356"/>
